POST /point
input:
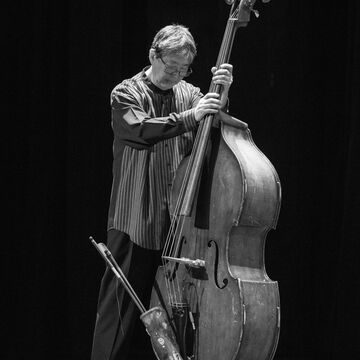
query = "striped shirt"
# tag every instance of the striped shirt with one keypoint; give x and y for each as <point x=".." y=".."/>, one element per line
<point x="153" y="131"/>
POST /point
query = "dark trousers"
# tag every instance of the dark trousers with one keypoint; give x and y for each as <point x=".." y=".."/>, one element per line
<point x="119" y="333"/>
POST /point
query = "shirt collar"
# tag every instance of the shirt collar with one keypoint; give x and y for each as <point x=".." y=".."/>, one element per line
<point x="152" y="86"/>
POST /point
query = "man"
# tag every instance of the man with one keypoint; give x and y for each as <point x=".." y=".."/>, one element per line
<point x="154" y="117"/>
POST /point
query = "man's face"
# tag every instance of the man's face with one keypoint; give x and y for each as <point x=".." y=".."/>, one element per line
<point x="168" y="70"/>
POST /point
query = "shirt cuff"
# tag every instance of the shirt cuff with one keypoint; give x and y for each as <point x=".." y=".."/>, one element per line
<point x="188" y="118"/>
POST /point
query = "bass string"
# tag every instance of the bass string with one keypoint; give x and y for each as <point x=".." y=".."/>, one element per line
<point x="174" y="237"/>
<point x="171" y="239"/>
<point x="221" y="59"/>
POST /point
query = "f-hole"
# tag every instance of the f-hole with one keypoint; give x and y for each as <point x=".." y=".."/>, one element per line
<point x="216" y="265"/>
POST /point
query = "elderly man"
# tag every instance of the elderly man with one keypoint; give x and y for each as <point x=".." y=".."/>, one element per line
<point x="155" y="115"/>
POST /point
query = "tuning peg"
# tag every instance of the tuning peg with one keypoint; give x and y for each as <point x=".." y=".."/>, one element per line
<point x="256" y="13"/>
<point x="250" y="4"/>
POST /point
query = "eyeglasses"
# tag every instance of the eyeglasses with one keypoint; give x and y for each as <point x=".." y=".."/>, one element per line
<point x="172" y="70"/>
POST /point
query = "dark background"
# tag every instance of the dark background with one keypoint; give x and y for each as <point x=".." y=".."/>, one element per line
<point x="296" y="71"/>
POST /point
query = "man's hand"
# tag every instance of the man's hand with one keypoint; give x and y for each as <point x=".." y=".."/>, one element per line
<point x="223" y="76"/>
<point x="209" y="104"/>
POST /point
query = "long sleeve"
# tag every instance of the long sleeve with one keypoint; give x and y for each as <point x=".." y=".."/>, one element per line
<point x="153" y="132"/>
<point x="137" y="120"/>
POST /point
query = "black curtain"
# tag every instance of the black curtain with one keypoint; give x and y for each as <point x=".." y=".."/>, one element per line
<point x="296" y="71"/>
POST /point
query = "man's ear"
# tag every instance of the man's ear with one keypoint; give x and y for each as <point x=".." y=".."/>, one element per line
<point x="152" y="55"/>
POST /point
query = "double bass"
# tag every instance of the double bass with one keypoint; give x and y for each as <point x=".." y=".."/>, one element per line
<point x="226" y="197"/>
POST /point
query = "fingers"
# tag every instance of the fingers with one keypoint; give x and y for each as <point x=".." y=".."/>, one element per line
<point x="223" y="67"/>
<point x="211" y="100"/>
<point x="211" y="95"/>
<point x="223" y="74"/>
<point x="228" y="67"/>
<point x="209" y="104"/>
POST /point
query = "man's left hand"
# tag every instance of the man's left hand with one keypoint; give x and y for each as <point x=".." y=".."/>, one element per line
<point x="223" y="76"/>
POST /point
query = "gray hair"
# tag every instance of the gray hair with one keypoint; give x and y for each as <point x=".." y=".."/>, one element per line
<point x="174" y="39"/>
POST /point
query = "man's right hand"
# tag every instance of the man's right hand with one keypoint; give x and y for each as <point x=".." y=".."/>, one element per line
<point x="209" y="104"/>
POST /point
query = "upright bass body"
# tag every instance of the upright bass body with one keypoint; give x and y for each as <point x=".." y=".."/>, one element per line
<point x="227" y="307"/>
<point x="226" y="197"/>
